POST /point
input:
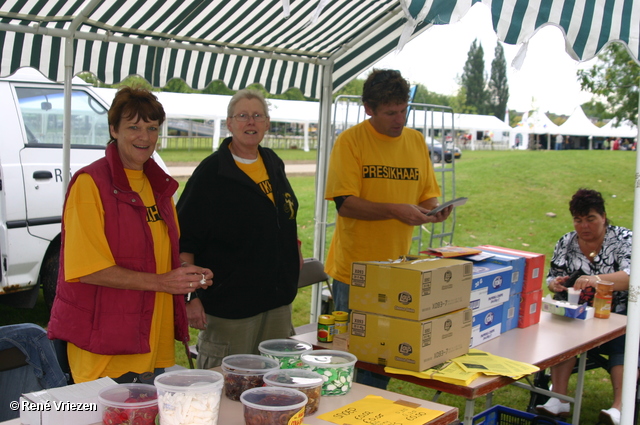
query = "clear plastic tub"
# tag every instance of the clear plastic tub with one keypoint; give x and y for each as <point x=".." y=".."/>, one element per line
<point x="189" y="397"/>
<point x="307" y="381"/>
<point x="129" y="403"/>
<point x="286" y="351"/>
<point x="273" y="406"/>
<point x="245" y="371"/>
<point x="336" y="367"/>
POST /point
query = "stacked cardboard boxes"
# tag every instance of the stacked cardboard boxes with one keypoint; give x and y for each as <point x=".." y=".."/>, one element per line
<point x="490" y="290"/>
<point x="531" y="296"/>
<point x="410" y="315"/>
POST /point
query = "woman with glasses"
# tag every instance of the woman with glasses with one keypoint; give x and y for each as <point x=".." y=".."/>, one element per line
<point x="238" y="217"/>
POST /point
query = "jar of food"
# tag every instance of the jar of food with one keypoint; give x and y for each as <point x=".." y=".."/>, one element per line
<point x="326" y="328"/>
<point x="342" y="322"/>
<point x="602" y="300"/>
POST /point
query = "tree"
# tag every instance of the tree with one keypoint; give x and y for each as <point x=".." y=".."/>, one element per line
<point x="459" y="103"/>
<point x="352" y="88"/>
<point x="498" y="85"/>
<point x="178" y="85"/>
<point x="596" y="109"/>
<point x="218" y="87"/>
<point x="430" y="98"/>
<point x="615" y="77"/>
<point x="473" y="78"/>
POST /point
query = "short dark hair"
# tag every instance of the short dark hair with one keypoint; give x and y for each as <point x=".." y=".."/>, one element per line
<point x="132" y="101"/>
<point x="385" y="86"/>
<point x="585" y="200"/>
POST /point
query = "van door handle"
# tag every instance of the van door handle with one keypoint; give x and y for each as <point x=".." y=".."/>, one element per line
<point x="40" y="175"/>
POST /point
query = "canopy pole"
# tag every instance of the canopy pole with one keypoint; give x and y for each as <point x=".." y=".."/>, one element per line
<point x="629" y="379"/>
<point x="66" y="122"/>
<point x="325" y="135"/>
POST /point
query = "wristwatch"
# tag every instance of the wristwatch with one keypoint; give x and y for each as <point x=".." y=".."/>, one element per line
<point x="190" y="296"/>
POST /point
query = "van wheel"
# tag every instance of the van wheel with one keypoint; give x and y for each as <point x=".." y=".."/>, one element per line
<point x="436" y="158"/>
<point x="49" y="275"/>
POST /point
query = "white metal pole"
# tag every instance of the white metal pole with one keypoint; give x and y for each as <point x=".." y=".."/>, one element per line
<point x="633" y="314"/>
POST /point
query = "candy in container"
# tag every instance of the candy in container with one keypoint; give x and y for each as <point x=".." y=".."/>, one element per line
<point x="129" y="404"/>
<point x="286" y="351"/>
<point x="189" y="397"/>
<point x="245" y="371"/>
<point x="273" y="406"/>
<point x="336" y="367"/>
<point x="310" y="383"/>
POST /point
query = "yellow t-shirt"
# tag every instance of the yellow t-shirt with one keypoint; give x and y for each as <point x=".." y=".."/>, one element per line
<point x="258" y="173"/>
<point x="378" y="168"/>
<point x="87" y="251"/>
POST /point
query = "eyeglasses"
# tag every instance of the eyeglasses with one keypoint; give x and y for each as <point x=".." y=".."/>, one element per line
<point x="245" y="117"/>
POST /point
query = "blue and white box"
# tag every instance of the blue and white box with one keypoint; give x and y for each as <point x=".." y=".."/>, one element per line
<point x="510" y="312"/>
<point x="490" y="285"/>
<point x="517" y="272"/>
<point x="486" y="325"/>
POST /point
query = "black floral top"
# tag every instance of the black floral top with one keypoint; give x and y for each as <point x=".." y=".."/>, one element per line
<point x="614" y="256"/>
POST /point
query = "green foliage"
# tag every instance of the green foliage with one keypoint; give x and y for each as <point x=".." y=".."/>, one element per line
<point x="615" y="77"/>
<point x="459" y="103"/>
<point x="218" y="87"/>
<point x="474" y="78"/>
<point x="498" y="85"/>
<point x="178" y="85"/>
<point x="596" y="109"/>
<point x="430" y="98"/>
<point x="352" y="88"/>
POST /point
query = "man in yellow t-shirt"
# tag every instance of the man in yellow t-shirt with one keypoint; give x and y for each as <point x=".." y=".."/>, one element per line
<point x="382" y="182"/>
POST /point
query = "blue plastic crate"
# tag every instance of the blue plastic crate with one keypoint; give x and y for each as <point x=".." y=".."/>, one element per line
<point x="501" y="415"/>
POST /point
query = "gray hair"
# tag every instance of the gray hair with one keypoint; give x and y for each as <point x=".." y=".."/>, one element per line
<point x="247" y="94"/>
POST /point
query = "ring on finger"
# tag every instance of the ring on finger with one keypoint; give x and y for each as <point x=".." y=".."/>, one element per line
<point x="190" y="284"/>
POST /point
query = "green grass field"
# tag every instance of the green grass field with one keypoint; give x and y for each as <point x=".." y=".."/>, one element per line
<point x="510" y="195"/>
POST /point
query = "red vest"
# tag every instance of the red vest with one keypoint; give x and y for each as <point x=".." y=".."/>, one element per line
<point x="113" y="321"/>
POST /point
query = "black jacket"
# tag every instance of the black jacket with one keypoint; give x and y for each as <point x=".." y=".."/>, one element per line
<point x="233" y="228"/>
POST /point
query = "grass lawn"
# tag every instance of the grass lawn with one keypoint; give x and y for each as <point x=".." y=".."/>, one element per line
<point x="511" y="195"/>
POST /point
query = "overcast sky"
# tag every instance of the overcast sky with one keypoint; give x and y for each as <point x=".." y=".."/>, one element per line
<point x="547" y="80"/>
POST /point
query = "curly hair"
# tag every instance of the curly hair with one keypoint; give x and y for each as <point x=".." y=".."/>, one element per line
<point x="130" y="102"/>
<point x="585" y="200"/>
<point x="385" y="86"/>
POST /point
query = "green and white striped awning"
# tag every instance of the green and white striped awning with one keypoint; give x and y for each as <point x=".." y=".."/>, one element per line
<point x="278" y="43"/>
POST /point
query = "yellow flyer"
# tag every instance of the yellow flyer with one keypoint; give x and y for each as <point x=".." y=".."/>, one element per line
<point x="376" y="410"/>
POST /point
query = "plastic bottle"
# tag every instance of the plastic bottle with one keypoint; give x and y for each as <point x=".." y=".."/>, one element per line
<point x="602" y="300"/>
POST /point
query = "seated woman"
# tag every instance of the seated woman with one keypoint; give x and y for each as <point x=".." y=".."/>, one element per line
<point x="599" y="251"/>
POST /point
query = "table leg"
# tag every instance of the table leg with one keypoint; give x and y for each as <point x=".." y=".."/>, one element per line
<point x="577" y="404"/>
<point x="469" y="408"/>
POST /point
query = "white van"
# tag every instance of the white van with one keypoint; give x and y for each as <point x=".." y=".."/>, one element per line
<point x="31" y="188"/>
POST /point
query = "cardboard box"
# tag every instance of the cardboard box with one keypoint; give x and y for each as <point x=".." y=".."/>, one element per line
<point x="410" y="344"/>
<point x="71" y="405"/>
<point x="563" y="308"/>
<point x="491" y="285"/>
<point x="517" y="268"/>
<point x="414" y="290"/>
<point x="534" y="265"/>
<point x="510" y="313"/>
<point x="487" y="325"/>
<point x="530" y="308"/>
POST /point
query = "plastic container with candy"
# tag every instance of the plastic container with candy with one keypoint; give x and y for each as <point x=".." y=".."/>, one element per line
<point x="245" y="371"/>
<point x="129" y="403"/>
<point x="273" y="406"/>
<point x="189" y="397"/>
<point x="307" y="381"/>
<point x="286" y="351"/>
<point x="336" y="367"/>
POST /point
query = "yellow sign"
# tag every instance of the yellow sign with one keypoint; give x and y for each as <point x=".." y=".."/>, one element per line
<point x="376" y="410"/>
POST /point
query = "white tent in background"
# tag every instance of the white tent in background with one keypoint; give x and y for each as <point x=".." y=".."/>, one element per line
<point x="534" y="123"/>
<point x="579" y="125"/>
<point x="626" y="129"/>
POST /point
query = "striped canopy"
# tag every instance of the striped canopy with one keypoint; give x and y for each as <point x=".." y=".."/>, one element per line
<point x="278" y="43"/>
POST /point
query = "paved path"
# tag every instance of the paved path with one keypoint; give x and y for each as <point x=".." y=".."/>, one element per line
<point x="290" y="169"/>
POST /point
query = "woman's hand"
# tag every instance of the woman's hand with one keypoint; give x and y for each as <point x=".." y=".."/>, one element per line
<point x="557" y="284"/>
<point x="585" y="281"/>
<point x="196" y="315"/>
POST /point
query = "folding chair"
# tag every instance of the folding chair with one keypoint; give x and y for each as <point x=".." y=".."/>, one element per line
<point x="312" y="272"/>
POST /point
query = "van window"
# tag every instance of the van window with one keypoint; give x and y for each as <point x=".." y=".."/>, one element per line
<point x="43" y="110"/>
